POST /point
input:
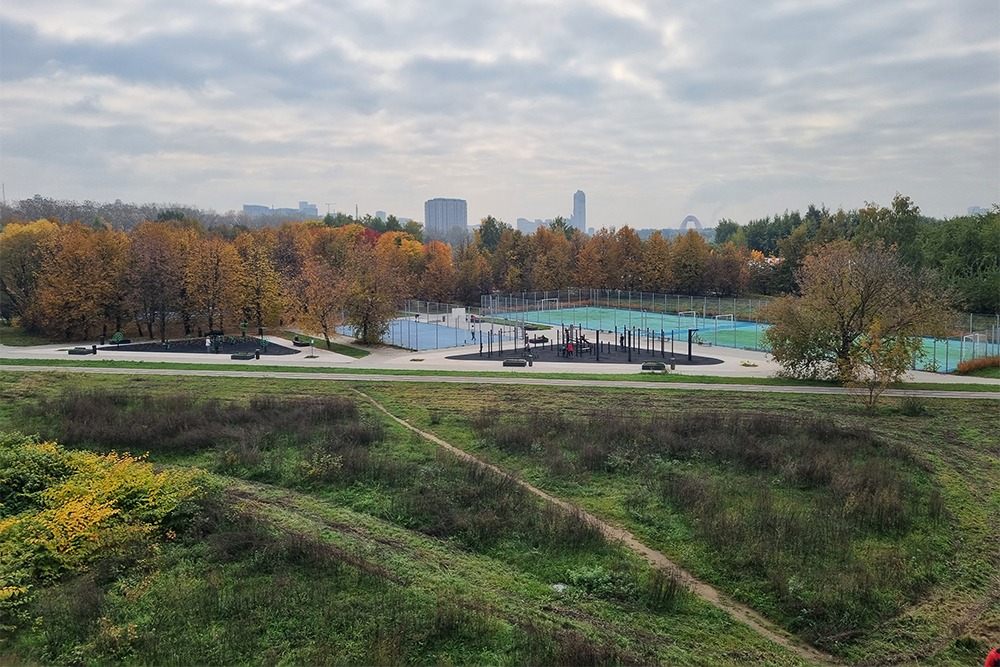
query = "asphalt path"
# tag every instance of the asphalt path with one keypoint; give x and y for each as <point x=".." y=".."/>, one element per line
<point x="527" y="381"/>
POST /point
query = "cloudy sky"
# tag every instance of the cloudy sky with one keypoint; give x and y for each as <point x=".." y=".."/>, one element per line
<point x="657" y="110"/>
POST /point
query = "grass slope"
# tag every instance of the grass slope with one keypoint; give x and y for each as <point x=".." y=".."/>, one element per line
<point x="872" y="536"/>
<point x="340" y="538"/>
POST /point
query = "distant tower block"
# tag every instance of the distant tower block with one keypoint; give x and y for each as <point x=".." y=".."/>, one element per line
<point x="580" y="210"/>
<point x="690" y="218"/>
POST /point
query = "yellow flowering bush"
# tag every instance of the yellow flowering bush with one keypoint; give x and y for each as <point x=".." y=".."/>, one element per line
<point x="61" y="510"/>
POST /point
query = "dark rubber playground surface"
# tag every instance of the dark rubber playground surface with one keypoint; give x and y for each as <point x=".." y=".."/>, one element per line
<point x="197" y="346"/>
<point x="543" y="353"/>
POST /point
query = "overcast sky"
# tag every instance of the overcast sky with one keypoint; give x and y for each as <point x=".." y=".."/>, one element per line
<point x="656" y="110"/>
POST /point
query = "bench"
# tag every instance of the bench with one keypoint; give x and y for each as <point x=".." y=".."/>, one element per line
<point x="301" y="343"/>
<point x="654" y="366"/>
<point x="82" y="350"/>
<point x="515" y="362"/>
<point x="242" y="356"/>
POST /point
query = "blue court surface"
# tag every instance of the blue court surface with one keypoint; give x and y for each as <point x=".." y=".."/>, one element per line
<point x="413" y="335"/>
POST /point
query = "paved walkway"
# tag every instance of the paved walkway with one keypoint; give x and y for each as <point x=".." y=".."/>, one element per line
<point x="735" y="363"/>
<point x="513" y="380"/>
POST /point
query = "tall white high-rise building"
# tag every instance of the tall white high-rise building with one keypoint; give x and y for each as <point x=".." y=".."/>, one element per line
<point x="440" y="215"/>
<point x="580" y="210"/>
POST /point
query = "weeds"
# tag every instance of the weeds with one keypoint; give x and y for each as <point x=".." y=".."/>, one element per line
<point x="787" y="502"/>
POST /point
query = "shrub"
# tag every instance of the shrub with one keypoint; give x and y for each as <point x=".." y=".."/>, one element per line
<point x="973" y="365"/>
<point x="69" y="509"/>
<point x="913" y="406"/>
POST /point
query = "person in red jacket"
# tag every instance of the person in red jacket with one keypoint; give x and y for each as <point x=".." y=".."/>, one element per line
<point x="993" y="659"/>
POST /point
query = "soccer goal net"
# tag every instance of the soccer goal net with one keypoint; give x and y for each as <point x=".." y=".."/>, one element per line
<point x="548" y="304"/>
<point x="684" y="316"/>
<point x="974" y="344"/>
<point x="724" y="319"/>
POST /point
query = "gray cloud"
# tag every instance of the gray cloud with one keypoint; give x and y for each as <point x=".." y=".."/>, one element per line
<point x="655" y="110"/>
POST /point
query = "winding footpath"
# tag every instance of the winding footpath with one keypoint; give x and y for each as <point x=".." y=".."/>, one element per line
<point x="704" y="591"/>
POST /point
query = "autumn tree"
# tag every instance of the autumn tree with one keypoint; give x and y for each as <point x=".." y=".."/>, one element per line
<point x="727" y="273"/>
<point x="760" y="272"/>
<point x="657" y="265"/>
<point x="260" y="283"/>
<point x="593" y="261"/>
<point x="376" y="287"/>
<point x="690" y="262"/>
<point x="861" y="313"/>
<point x="156" y="272"/>
<point x="114" y="299"/>
<point x="321" y="299"/>
<point x="513" y="262"/>
<point x="70" y="284"/>
<point x="437" y="280"/>
<point x="624" y="270"/>
<point x="213" y="280"/>
<point x="552" y="266"/>
<point x="22" y="249"/>
<point x="473" y="277"/>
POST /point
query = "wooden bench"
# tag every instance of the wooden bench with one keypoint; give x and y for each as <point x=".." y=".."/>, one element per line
<point x="81" y="350"/>
<point x="242" y="356"/>
<point x="515" y="362"/>
<point x="301" y="343"/>
<point x="654" y="366"/>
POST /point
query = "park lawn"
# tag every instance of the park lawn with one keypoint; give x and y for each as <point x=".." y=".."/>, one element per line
<point x="339" y="348"/>
<point x="15" y="336"/>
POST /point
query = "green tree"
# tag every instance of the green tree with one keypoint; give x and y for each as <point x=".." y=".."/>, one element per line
<point x="725" y="230"/>
<point x="966" y="251"/>
<point x="896" y="226"/>
<point x="792" y="249"/>
<point x="560" y="226"/>
<point x="489" y="233"/>
<point x="859" y="308"/>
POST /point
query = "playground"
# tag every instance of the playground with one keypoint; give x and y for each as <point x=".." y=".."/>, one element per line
<point x="223" y="345"/>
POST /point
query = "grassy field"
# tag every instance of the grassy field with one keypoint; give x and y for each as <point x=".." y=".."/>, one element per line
<point x="874" y="537"/>
<point x="337" y="537"/>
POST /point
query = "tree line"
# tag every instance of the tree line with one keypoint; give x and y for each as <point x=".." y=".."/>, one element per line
<point x="80" y="279"/>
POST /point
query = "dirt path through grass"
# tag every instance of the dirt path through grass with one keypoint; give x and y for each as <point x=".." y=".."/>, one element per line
<point x="706" y="592"/>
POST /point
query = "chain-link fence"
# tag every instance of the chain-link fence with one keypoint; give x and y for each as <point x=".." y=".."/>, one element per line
<point x="729" y="322"/>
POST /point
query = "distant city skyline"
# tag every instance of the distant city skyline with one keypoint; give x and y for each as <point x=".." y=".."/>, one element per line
<point x="655" y="110"/>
